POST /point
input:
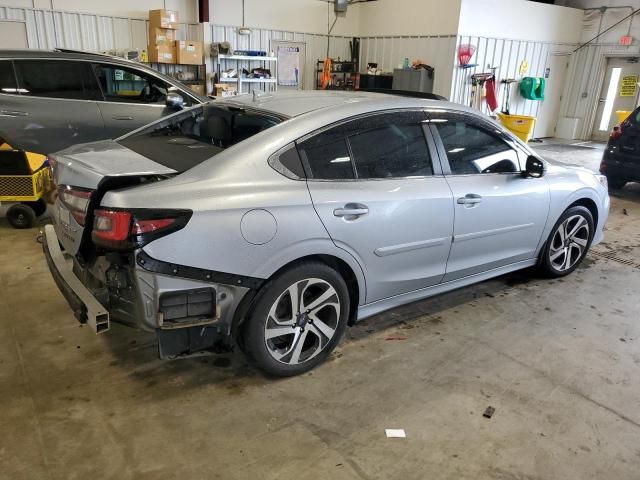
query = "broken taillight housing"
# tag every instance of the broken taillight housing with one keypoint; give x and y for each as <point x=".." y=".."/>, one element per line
<point x="77" y="200"/>
<point x="121" y="229"/>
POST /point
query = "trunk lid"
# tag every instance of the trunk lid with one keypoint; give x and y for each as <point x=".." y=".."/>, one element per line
<point x="95" y="168"/>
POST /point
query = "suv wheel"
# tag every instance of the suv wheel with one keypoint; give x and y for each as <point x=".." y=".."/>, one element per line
<point x="568" y="242"/>
<point x="298" y="319"/>
<point x="616" y="183"/>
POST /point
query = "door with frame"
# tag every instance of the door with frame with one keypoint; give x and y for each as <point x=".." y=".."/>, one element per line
<point x="619" y="93"/>
<point x="556" y="74"/>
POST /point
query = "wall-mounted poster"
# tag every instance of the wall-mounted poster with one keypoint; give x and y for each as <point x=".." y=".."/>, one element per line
<point x="288" y="66"/>
<point x="629" y="86"/>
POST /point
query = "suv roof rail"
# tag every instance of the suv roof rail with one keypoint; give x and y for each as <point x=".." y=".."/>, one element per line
<point x="405" y="93"/>
<point x="70" y="50"/>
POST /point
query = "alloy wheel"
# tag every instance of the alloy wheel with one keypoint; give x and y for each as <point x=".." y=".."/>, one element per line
<point x="302" y="321"/>
<point x="569" y="243"/>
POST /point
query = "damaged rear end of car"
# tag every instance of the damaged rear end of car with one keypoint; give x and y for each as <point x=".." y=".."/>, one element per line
<point x="95" y="251"/>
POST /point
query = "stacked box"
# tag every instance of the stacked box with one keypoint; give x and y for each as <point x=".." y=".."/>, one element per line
<point x="163" y="19"/>
<point x="162" y="36"/>
<point x="188" y="52"/>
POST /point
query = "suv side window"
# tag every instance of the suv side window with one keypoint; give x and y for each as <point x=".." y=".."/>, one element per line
<point x="472" y="148"/>
<point x="384" y="145"/>
<point x="7" y="77"/>
<point x="128" y="85"/>
<point x="57" y="79"/>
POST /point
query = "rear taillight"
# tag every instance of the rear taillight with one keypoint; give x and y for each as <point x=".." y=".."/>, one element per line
<point x="76" y="200"/>
<point x="617" y="132"/>
<point x="130" y="229"/>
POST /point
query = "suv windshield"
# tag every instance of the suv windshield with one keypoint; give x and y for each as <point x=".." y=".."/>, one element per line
<point x="183" y="141"/>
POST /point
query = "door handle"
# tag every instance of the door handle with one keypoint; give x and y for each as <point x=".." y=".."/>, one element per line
<point x="13" y="113"/>
<point x="122" y="117"/>
<point x="470" y="199"/>
<point x="351" y="211"/>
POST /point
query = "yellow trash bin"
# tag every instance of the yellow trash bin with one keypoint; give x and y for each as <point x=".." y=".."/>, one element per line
<point x="622" y="115"/>
<point x="520" y="125"/>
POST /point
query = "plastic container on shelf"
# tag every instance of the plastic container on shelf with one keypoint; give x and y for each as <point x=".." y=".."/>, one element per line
<point x="520" y="125"/>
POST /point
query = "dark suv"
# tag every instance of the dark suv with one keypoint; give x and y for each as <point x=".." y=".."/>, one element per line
<point x="621" y="160"/>
<point x="50" y="100"/>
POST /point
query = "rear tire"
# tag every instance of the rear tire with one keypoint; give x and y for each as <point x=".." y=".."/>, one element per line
<point x="568" y="242"/>
<point x="616" y="183"/>
<point x="21" y="216"/>
<point x="297" y="320"/>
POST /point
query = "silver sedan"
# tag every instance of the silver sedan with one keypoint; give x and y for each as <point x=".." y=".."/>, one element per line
<point x="274" y="222"/>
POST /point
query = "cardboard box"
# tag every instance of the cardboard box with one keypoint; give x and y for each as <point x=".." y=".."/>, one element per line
<point x="225" y="90"/>
<point x="200" y="89"/>
<point x="163" y="53"/>
<point x="188" y="52"/>
<point x="163" y="19"/>
<point x="161" y="36"/>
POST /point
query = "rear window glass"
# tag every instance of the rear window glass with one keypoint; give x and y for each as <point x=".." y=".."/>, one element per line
<point x="183" y="141"/>
<point x="7" y="78"/>
<point x="57" y="79"/>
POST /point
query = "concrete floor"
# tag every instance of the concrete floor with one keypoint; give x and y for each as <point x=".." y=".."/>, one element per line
<point x="559" y="361"/>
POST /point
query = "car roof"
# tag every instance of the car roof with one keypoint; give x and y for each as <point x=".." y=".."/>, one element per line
<point x="58" y="54"/>
<point x="296" y="103"/>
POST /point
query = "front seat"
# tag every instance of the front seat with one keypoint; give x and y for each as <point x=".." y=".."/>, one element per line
<point x="217" y="130"/>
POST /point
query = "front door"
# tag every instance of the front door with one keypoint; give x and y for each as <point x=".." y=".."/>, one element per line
<point x="132" y="98"/>
<point x="381" y="198"/>
<point x="499" y="215"/>
<point x="619" y="94"/>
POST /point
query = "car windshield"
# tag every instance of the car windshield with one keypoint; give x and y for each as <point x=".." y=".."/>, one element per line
<point x="184" y="140"/>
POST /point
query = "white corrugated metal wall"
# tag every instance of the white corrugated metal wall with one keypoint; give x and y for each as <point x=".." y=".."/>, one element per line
<point x="47" y="29"/>
<point x="260" y="39"/>
<point x="508" y="56"/>
<point x="390" y="52"/>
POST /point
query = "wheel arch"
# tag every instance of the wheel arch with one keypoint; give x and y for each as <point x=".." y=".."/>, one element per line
<point x="353" y="277"/>
<point x="590" y="205"/>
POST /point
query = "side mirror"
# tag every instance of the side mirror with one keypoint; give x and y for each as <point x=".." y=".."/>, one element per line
<point x="174" y="101"/>
<point x="534" y="168"/>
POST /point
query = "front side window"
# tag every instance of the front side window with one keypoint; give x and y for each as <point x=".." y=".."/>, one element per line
<point x="7" y="77"/>
<point x="386" y="145"/>
<point x="128" y="85"/>
<point x="472" y="148"/>
<point x="57" y="79"/>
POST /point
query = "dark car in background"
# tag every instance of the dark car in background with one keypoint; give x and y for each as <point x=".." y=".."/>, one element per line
<point x="621" y="160"/>
<point x="50" y="100"/>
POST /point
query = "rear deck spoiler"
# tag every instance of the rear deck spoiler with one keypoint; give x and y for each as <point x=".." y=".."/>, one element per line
<point x="405" y="93"/>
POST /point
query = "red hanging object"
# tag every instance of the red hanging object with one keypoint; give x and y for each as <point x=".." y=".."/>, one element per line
<point x="491" y="95"/>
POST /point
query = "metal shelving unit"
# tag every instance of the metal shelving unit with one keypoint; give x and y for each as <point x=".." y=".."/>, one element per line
<point x="270" y="63"/>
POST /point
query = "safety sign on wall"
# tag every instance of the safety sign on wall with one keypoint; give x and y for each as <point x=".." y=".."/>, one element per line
<point x="629" y="86"/>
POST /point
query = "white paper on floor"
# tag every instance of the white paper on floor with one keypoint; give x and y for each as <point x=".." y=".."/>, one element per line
<point x="395" y="433"/>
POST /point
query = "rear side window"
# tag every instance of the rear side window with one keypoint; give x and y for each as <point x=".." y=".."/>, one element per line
<point x="57" y="79"/>
<point x="7" y="77"/>
<point x="386" y="145"/>
<point x="326" y="155"/>
<point x="391" y="145"/>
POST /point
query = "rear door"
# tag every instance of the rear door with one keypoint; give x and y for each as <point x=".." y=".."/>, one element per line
<point x="499" y="214"/>
<point x="381" y="197"/>
<point x="50" y="106"/>
<point x="132" y="97"/>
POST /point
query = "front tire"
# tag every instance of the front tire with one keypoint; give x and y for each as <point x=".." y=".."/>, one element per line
<point x="297" y="320"/>
<point x="568" y="242"/>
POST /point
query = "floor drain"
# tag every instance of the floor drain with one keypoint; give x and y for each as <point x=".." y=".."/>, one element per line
<point x="613" y="258"/>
